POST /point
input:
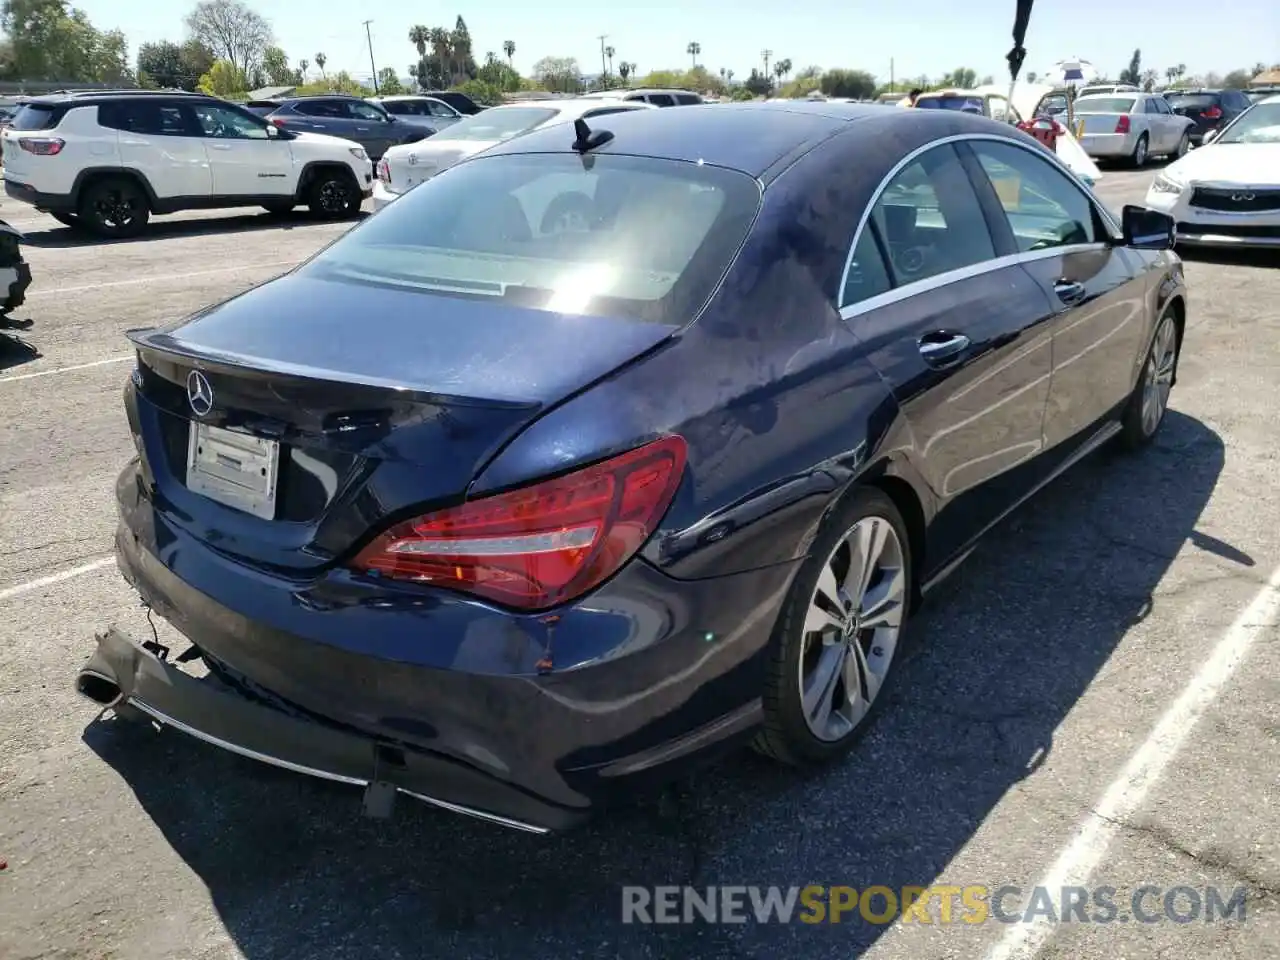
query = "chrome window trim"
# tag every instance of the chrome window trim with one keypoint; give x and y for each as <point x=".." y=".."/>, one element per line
<point x="976" y="269"/>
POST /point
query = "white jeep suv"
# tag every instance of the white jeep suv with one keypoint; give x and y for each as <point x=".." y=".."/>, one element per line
<point x="106" y="160"/>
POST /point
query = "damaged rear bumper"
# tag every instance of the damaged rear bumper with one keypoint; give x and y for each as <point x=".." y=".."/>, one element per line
<point x="123" y="671"/>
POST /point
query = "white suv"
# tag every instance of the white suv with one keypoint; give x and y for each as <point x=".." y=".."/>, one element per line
<point x="106" y="161"/>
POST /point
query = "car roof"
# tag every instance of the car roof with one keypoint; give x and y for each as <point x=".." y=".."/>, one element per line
<point x="406" y="96"/>
<point x="573" y="106"/>
<point x="89" y="97"/>
<point x="1271" y="99"/>
<point x="759" y="138"/>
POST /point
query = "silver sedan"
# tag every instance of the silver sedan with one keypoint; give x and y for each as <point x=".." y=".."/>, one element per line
<point x="1130" y="126"/>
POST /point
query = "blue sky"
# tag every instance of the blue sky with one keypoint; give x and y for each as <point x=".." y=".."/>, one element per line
<point x="921" y="36"/>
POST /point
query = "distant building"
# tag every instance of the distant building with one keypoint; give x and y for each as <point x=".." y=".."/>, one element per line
<point x="271" y="93"/>
<point x="1268" y="78"/>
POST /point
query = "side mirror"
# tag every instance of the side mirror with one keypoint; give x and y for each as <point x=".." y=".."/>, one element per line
<point x="1146" y="229"/>
<point x="1210" y="137"/>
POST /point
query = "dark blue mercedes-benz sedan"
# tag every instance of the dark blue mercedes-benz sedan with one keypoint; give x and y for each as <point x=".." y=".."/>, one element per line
<point x="613" y="446"/>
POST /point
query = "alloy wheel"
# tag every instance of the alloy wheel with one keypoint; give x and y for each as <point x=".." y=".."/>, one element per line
<point x="333" y="196"/>
<point x="1158" y="376"/>
<point x="851" y="629"/>
<point x="1140" y="153"/>
<point x="1183" y="146"/>
<point x="116" y="210"/>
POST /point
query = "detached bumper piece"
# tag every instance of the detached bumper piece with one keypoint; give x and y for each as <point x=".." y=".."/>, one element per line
<point x="123" y="671"/>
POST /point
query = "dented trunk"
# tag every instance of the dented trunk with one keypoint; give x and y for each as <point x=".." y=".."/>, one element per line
<point x="284" y="432"/>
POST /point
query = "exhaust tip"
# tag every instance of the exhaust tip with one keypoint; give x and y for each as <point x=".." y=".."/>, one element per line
<point x="101" y="690"/>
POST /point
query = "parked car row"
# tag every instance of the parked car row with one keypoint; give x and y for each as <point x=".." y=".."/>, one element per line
<point x="624" y="441"/>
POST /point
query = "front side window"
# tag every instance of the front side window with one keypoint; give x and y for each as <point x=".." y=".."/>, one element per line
<point x="662" y="100"/>
<point x="322" y="108"/>
<point x="225" y="123"/>
<point x="623" y="236"/>
<point x="500" y="123"/>
<point x="437" y="109"/>
<point x="1043" y="207"/>
<point x="929" y="219"/>
<point x="358" y="110"/>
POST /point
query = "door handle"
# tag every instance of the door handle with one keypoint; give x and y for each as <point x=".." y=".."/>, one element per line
<point x="1069" y="291"/>
<point x="943" y="348"/>
<point x="219" y="146"/>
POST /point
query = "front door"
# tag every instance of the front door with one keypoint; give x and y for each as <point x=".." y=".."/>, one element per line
<point x="962" y="338"/>
<point x="1097" y="288"/>
<point x="374" y="128"/>
<point x="246" y="160"/>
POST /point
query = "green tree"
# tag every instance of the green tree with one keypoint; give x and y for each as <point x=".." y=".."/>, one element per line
<point x="858" y="84"/>
<point x="224" y="79"/>
<point x="321" y="60"/>
<point x="233" y="31"/>
<point x="558" y="74"/>
<point x="275" y="67"/>
<point x="389" y="82"/>
<point x="758" y="84"/>
<point x="51" y="40"/>
<point x="693" y="49"/>
<point x="1133" y="73"/>
<point x="962" y="78"/>
<point x="509" y="48"/>
<point x="1237" y="79"/>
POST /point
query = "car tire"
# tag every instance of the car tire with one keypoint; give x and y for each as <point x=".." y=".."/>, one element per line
<point x="333" y="195"/>
<point x="1184" y="147"/>
<point x="822" y="633"/>
<point x="280" y="208"/>
<point x="1140" y="152"/>
<point x="67" y="219"/>
<point x="115" y="208"/>
<point x="1145" y="412"/>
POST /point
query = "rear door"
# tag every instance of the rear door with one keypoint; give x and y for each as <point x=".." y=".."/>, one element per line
<point x="322" y="115"/>
<point x="1096" y="288"/>
<point x="373" y="127"/>
<point x="159" y="139"/>
<point x="661" y="99"/>
<point x="962" y="337"/>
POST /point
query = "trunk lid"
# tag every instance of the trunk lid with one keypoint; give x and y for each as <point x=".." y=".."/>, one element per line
<point x="416" y="162"/>
<point x="358" y="415"/>
<point x="1099" y="122"/>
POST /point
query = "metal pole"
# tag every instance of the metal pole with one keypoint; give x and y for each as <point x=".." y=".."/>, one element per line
<point x="604" y="71"/>
<point x="766" y="54"/>
<point x="372" y="65"/>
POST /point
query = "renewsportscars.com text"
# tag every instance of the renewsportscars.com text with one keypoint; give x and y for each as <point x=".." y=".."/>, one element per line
<point x="937" y="904"/>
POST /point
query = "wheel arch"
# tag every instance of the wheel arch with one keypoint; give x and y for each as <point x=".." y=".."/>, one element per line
<point x="91" y="175"/>
<point x="312" y="168"/>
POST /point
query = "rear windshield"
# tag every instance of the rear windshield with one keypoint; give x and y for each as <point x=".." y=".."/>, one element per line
<point x="500" y="124"/>
<point x="1200" y="101"/>
<point x="262" y="109"/>
<point x="968" y="104"/>
<point x="616" y="236"/>
<point x="406" y="108"/>
<point x="35" y="116"/>
<point x="1105" y="105"/>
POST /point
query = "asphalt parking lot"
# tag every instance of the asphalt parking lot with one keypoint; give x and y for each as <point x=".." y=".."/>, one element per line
<point x="1041" y="727"/>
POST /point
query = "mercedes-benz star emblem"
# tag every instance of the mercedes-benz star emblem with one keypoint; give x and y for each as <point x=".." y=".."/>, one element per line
<point x="1242" y="197"/>
<point x="199" y="393"/>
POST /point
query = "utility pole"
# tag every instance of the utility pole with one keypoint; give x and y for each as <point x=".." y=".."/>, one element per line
<point x="604" y="70"/>
<point x="767" y="55"/>
<point x="372" y="66"/>
<point x="892" y="85"/>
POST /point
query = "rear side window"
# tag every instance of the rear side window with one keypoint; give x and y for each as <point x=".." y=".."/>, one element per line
<point x="966" y="104"/>
<point x="36" y="116"/>
<point x="661" y="100"/>
<point x="686" y="99"/>
<point x="623" y="236"/>
<point x="1199" y="101"/>
<point x="929" y="219"/>
<point x="145" y="117"/>
<point x="323" y="108"/>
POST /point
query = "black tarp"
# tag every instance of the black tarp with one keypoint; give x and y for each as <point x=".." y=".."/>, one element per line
<point x="1019" y="53"/>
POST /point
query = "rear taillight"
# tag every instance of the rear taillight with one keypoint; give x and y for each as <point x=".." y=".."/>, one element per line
<point x="1122" y="125"/>
<point x="1213" y="113"/>
<point x="42" y="146"/>
<point x="542" y="545"/>
<point x="384" y="171"/>
<point x="276" y="122"/>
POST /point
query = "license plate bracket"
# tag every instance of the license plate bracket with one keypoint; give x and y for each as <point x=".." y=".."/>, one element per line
<point x="235" y="469"/>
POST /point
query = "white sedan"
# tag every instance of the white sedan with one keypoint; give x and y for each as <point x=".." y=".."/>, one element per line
<point x="1227" y="193"/>
<point x="404" y="167"/>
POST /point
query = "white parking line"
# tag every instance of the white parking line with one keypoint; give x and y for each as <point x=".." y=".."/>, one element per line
<point x="8" y="593"/>
<point x="1127" y="792"/>
<point x="74" y="366"/>
<point x="163" y="277"/>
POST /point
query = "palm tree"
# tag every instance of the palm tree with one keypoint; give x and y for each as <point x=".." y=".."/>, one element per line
<point x="729" y="75"/>
<point x="442" y="51"/>
<point x="624" y="70"/>
<point x="693" y="49"/>
<point x="418" y="36"/>
<point x="509" y="48"/>
<point x="609" y="52"/>
<point x="779" y="70"/>
<point x="302" y="70"/>
<point x="321" y="60"/>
